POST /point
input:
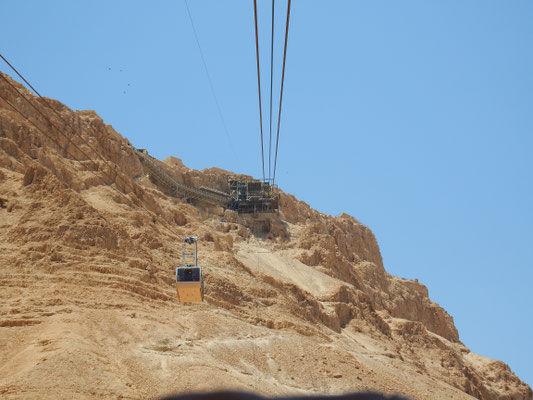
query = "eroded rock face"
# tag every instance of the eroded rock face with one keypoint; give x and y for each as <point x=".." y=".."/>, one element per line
<point x="299" y="301"/>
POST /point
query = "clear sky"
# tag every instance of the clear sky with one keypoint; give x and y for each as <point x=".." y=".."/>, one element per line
<point x="415" y="117"/>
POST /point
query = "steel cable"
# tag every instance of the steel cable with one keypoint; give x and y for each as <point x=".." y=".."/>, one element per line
<point x="112" y="178"/>
<point x="281" y="91"/>
<point x="45" y="100"/>
<point x="259" y="87"/>
<point x="219" y="109"/>
<point x="271" y="83"/>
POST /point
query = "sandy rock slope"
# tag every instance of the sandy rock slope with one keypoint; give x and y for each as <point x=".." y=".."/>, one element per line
<point x="296" y="303"/>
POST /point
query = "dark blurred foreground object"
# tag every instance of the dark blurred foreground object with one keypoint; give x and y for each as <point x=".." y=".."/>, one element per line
<point x="249" y="396"/>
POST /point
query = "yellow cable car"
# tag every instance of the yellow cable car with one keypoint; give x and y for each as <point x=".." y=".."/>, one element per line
<point x="189" y="280"/>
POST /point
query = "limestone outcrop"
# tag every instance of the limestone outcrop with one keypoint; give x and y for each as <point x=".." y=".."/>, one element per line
<point x="297" y="302"/>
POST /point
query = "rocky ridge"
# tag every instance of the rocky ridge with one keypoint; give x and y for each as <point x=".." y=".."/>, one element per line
<point x="298" y="302"/>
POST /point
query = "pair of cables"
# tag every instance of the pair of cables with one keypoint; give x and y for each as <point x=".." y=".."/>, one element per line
<point x="271" y="171"/>
<point x="66" y="130"/>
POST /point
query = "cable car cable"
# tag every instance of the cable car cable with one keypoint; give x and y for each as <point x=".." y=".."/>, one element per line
<point x="96" y="166"/>
<point x="69" y="141"/>
<point x="74" y="145"/>
<point x="281" y="91"/>
<point x="88" y="157"/>
<point x="271" y="83"/>
<point x="20" y="76"/>
<point x="48" y="136"/>
<point x="58" y="144"/>
<point x="45" y="100"/>
<point x="211" y="83"/>
<point x="259" y="87"/>
<point x="43" y="116"/>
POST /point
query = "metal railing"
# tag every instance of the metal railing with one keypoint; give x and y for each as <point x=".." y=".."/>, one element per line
<point x="176" y="189"/>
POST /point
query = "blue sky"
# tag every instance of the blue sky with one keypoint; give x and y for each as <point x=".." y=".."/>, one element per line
<point x="415" y="117"/>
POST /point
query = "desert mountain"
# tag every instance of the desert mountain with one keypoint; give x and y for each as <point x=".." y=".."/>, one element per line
<point x="297" y="302"/>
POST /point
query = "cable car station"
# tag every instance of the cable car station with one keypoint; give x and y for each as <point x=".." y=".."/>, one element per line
<point x="246" y="196"/>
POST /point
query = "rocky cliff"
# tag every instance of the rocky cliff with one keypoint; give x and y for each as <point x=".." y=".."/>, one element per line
<point x="297" y="302"/>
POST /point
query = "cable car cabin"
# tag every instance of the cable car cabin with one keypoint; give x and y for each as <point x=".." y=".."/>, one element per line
<point x="189" y="279"/>
<point x="189" y="284"/>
